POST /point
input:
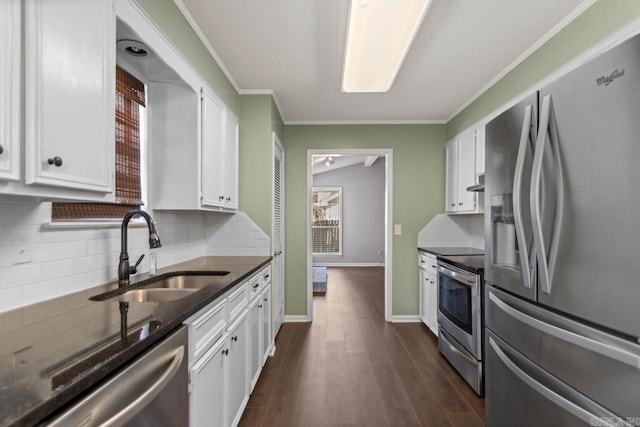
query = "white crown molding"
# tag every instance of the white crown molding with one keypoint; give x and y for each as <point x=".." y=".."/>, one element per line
<point x="537" y="45"/>
<point x="196" y="28"/>
<point x="365" y="122"/>
<point x="263" y="92"/>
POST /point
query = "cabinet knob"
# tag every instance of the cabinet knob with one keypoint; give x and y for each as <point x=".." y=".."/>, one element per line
<point x="234" y="338"/>
<point x="1" y="149"/>
<point x="228" y="199"/>
<point x="225" y="351"/>
<point x="259" y="305"/>
<point x="255" y="285"/>
<point x="461" y="203"/>
<point x="453" y="205"/>
<point x="55" y="161"/>
<point x="265" y="300"/>
<point x="221" y="198"/>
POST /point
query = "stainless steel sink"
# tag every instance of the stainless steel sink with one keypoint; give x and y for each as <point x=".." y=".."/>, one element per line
<point x="167" y="288"/>
<point x="186" y="281"/>
<point x="153" y="295"/>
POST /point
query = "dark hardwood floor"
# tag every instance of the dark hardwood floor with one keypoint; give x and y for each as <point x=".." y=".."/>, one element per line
<point x="351" y="368"/>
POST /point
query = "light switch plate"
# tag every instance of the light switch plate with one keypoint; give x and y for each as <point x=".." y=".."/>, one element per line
<point x="397" y="229"/>
<point x="21" y="248"/>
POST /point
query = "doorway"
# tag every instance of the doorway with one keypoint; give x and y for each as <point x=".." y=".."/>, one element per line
<point x="326" y="229"/>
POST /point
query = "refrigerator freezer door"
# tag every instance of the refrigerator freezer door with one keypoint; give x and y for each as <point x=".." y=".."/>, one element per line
<point x="521" y="393"/>
<point x="600" y="366"/>
<point x="509" y="252"/>
<point x="595" y="127"/>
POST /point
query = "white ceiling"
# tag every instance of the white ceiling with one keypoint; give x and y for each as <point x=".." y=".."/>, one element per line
<point x="295" y="49"/>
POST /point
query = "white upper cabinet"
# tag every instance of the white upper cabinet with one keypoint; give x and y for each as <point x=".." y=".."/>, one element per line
<point x="230" y="167"/>
<point x="479" y="151"/>
<point x="213" y="122"/>
<point x="461" y="173"/>
<point x="69" y="56"/>
<point x="451" y="183"/>
<point x="10" y="106"/>
<point x="219" y="153"/>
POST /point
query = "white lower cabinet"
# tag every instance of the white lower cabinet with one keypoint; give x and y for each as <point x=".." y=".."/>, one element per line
<point x="260" y="324"/>
<point x="428" y="269"/>
<point x="229" y="341"/>
<point x="238" y="369"/>
<point x="207" y="394"/>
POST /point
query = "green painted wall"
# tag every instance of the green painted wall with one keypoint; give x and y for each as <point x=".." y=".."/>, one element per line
<point x="600" y="20"/>
<point x="170" y="20"/>
<point x="418" y="195"/>
<point x="256" y="153"/>
<point x="277" y="124"/>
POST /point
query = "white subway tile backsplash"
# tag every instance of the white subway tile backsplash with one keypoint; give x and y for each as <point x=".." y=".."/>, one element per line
<point x="57" y="269"/>
<point x="66" y="260"/>
<point x="20" y="275"/>
<point x="40" y="291"/>
<point x="10" y="298"/>
<point x="447" y="231"/>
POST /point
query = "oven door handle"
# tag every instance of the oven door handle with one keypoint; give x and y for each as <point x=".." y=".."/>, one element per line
<point x="469" y="279"/>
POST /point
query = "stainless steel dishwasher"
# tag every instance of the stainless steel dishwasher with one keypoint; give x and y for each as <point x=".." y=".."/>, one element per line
<point x="152" y="391"/>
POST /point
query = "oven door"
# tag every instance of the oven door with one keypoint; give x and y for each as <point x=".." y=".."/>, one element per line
<point x="459" y="306"/>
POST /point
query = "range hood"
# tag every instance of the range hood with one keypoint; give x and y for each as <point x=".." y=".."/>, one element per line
<point x="479" y="186"/>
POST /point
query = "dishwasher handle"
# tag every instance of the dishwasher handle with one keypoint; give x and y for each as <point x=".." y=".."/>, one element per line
<point x="148" y="395"/>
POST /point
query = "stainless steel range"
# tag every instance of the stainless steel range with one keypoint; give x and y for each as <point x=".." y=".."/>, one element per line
<point x="460" y="319"/>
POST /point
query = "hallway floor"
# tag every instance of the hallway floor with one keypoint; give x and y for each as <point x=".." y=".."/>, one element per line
<point x="351" y="368"/>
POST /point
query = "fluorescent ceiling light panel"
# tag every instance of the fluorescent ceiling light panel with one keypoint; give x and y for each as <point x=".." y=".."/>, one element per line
<point x="379" y="35"/>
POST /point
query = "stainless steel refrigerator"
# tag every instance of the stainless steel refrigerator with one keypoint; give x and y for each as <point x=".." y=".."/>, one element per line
<point x="562" y="251"/>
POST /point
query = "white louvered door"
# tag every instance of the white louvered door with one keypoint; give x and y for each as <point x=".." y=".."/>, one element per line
<point x="278" y="235"/>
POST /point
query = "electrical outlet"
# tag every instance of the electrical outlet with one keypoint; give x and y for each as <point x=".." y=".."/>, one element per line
<point x="21" y="249"/>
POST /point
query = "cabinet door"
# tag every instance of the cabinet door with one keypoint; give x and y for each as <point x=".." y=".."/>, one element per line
<point x="230" y="166"/>
<point x="255" y="342"/>
<point x="238" y="369"/>
<point x="266" y="323"/>
<point x="10" y="106"/>
<point x="424" y="296"/>
<point x="466" y="171"/>
<point x="480" y="150"/>
<point x="70" y="94"/>
<point x="208" y="398"/>
<point x="451" y="182"/>
<point x="432" y="303"/>
<point x="212" y="162"/>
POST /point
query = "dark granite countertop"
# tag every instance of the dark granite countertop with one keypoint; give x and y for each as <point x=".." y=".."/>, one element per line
<point x="455" y="250"/>
<point x="472" y="263"/>
<point x="53" y="351"/>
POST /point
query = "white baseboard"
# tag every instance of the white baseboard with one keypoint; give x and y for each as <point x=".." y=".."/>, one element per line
<point x="296" y="319"/>
<point x="410" y="318"/>
<point x="348" y="264"/>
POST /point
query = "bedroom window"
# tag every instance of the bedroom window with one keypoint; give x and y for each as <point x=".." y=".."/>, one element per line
<point x="326" y="228"/>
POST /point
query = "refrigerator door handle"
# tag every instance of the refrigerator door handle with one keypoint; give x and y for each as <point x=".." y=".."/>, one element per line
<point x="587" y="343"/>
<point x="546" y="251"/>
<point x="554" y="397"/>
<point x="523" y="149"/>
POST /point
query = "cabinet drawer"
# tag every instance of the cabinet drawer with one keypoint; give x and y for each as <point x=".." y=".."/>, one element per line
<point x="254" y="286"/>
<point x="265" y="276"/>
<point x="237" y="302"/>
<point x="205" y="328"/>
